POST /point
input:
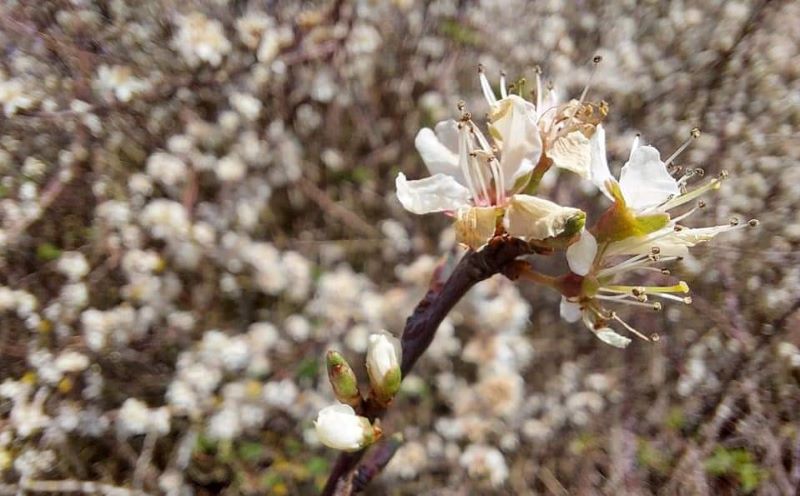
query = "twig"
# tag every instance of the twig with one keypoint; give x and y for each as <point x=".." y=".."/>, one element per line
<point x="378" y="458"/>
<point x="495" y="258"/>
<point x="347" y="216"/>
<point x="146" y="456"/>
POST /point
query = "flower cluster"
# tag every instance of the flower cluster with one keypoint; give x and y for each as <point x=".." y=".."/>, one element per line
<point x="489" y="186"/>
<point x="339" y="426"/>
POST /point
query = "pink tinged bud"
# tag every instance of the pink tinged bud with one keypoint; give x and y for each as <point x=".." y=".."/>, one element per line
<point x="339" y="427"/>
<point x="343" y="379"/>
<point x="383" y="366"/>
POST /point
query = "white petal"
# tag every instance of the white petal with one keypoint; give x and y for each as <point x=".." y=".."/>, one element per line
<point x="580" y="255"/>
<point x="439" y="151"/>
<point x="570" y="311"/>
<point x="438" y="193"/>
<point x="645" y="181"/>
<point x="531" y="217"/>
<point x="573" y="153"/>
<point x="513" y="127"/>
<point x="339" y="427"/>
<point x="610" y="337"/>
<point x="599" y="172"/>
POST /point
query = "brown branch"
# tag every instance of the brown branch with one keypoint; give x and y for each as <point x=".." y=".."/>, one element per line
<point x="495" y="258"/>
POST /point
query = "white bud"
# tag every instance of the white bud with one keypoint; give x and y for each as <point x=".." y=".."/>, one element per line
<point x="339" y="427"/>
<point x="383" y="365"/>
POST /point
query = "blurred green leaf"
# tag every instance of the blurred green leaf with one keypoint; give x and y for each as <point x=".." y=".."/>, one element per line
<point x="459" y="33"/>
<point x="308" y="368"/>
<point x="737" y="463"/>
<point x="251" y="451"/>
<point x="47" y="252"/>
<point x="651" y="457"/>
<point x="675" y="418"/>
<point x="317" y="466"/>
<point x="205" y="444"/>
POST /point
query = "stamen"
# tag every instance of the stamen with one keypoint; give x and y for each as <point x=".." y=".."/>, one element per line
<point x="488" y="93"/>
<point x="463" y="161"/>
<point x="521" y="86"/>
<point x="628" y="301"/>
<point x="687" y="214"/>
<point x="690" y="195"/>
<point x="628" y="327"/>
<point x="538" y="71"/>
<point x="503" y="89"/>
<point x="497" y="171"/>
<point x="681" y="287"/>
<point x="596" y="61"/>
<point x="683" y="299"/>
<point x="693" y="135"/>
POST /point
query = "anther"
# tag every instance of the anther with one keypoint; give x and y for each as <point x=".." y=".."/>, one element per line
<point x="655" y="337"/>
<point x="688" y="300"/>
<point x="752" y="222"/>
<point x="597" y="59"/>
<point x="701" y="204"/>
<point x="734" y="221"/>
<point x="655" y="250"/>
<point x="693" y="134"/>
<point x="461" y="105"/>
<point x="700" y="172"/>
<point x="480" y="68"/>
<point x="723" y="174"/>
<point x="665" y="272"/>
<point x="657" y="306"/>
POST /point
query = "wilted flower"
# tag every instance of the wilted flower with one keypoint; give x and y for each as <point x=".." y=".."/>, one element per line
<point x="339" y="427"/>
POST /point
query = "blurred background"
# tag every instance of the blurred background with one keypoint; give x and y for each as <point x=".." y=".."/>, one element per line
<point x="197" y="201"/>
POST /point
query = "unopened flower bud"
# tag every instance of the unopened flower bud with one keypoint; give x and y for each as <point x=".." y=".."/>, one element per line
<point x="343" y="379"/>
<point x="383" y="366"/>
<point x="339" y="427"/>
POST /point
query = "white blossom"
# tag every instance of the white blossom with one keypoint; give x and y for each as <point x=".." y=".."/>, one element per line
<point x="339" y="427"/>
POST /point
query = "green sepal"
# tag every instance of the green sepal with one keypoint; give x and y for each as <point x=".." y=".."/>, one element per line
<point x="390" y="386"/>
